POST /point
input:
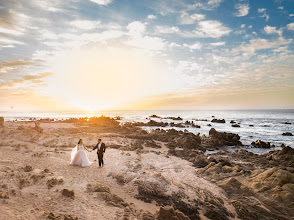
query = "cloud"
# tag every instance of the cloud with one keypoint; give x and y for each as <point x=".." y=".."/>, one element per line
<point x="9" y="66"/>
<point x="216" y="44"/>
<point x="214" y="3"/>
<point x="290" y="26"/>
<point x="192" y="47"/>
<point x="166" y="29"/>
<point x="186" y="18"/>
<point x="272" y="30"/>
<point x="151" y="17"/>
<point x="243" y="10"/>
<point x="291" y="15"/>
<point x="85" y="24"/>
<point x="136" y="28"/>
<point x="261" y="44"/>
<point x="264" y="14"/>
<point x="211" y="29"/>
<point x="35" y="79"/>
<point x="101" y="2"/>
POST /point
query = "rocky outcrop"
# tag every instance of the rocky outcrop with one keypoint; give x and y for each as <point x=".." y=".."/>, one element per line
<point x="219" y="139"/>
<point x="278" y="183"/>
<point x="236" y="126"/>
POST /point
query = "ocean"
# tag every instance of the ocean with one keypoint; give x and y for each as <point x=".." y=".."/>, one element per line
<point x="268" y="125"/>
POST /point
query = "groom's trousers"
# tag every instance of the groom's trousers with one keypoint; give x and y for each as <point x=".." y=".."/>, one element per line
<point x="100" y="160"/>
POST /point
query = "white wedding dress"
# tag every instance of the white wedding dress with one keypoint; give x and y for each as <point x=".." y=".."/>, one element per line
<point x="79" y="157"/>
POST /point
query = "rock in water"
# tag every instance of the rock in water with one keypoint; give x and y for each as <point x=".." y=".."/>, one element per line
<point x="261" y="144"/>
<point x="287" y="134"/>
<point x="218" y="120"/>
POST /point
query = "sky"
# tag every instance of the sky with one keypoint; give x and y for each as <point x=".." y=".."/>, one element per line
<point x="146" y="54"/>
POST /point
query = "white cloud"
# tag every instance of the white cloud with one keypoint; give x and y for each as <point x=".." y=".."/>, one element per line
<point x="222" y="43"/>
<point x="151" y="17"/>
<point x="272" y="30"/>
<point x="166" y="29"/>
<point x="260" y="10"/>
<point x="101" y="2"/>
<point x="291" y="15"/>
<point x="290" y="26"/>
<point x="10" y="31"/>
<point x="212" y="29"/>
<point x="147" y="43"/>
<point x="264" y="15"/>
<point x="243" y="26"/>
<point x="190" y="19"/>
<point x="196" y="46"/>
<point x="136" y="28"/>
<point x="243" y="10"/>
<point x="85" y="24"/>
<point x="281" y="7"/>
<point x="214" y="3"/>
<point x="260" y="44"/>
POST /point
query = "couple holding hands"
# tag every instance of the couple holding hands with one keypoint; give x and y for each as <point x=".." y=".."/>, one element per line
<point x="80" y="158"/>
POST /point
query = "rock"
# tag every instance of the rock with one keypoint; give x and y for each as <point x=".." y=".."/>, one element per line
<point x="175" y="118"/>
<point x="68" y="193"/>
<point x="53" y="182"/>
<point x="251" y="125"/>
<point x="218" y="120"/>
<point x="149" y="191"/>
<point x="261" y="144"/>
<point x="169" y="213"/>
<point x="233" y="186"/>
<point x="209" y="125"/>
<point x="287" y="134"/>
<point x="98" y="188"/>
<point x="200" y="161"/>
<point x="218" y="139"/>
<point x="212" y="131"/>
<point x="1" y="122"/>
<point x="38" y="128"/>
<point x="28" y="168"/>
<point x="278" y="183"/>
<point x="4" y="194"/>
<point x="235" y="125"/>
<point x="287" y="123"/>
<point x="113" y="200"/>
<point x="154" y="116"/>
<point x="232" y="122"/>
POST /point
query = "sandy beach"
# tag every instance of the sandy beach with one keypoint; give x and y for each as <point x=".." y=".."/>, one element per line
<point x="144" y="176"/>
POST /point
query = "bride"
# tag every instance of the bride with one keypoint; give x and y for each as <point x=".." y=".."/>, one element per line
<point x="79" y="156"/>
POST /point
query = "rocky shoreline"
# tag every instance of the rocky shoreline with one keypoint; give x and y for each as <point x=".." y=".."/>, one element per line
<point x="252" y="186"/>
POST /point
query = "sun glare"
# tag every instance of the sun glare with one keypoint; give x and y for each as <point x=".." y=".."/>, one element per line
<point x="103" y="79"/>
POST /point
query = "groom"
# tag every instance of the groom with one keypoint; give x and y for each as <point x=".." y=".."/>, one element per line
<point x="100" y="151"/>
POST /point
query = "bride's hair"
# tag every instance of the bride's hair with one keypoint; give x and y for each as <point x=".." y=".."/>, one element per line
<point x="80" y="141"/>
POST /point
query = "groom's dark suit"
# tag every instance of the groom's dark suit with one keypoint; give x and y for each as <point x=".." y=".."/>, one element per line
<point x="100" y="152"/>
